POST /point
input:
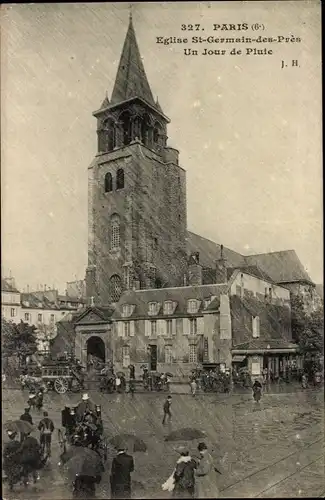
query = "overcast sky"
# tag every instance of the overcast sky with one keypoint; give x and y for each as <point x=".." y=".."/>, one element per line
<point x="249" y="132"/>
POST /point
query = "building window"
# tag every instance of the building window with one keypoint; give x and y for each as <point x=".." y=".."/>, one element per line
<point x="115" y="232"/>
<point x="192" y="306"/>
<point x="238" y="290"/>
<point x="168" y="307"/>
<point x="168" y="354"/>
<point x="26" y="316"/>
<point x="153" y="327"/>
<point x="256" y="326"/>
<point x="155" y="243"/>
<point x="125" y="356"/>
<point x="12" y="312"/>
<point x="169" y="327"/>
<point x="115" y="287"/>
<point x="39" y="318"/>
<point x="108" y="182"/>
<point x="270" y="293"/>
<point x="193" y="326"/>
<point x="120" y="179"/>
<point x="126" y="310"/>
<point x="193" y="354"/>
<point x="52" y="318"/>
<point x="206" y="349"/>
<point x="153" y="308"/>
<point x="126" y="328"/>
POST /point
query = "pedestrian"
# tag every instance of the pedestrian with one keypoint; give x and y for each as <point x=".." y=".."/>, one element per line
<point x="122" y="467"/>
<point x="265" y="372"/>
<point x="132" y="386"/>
<point x="26" y="416"/>
<point x="39" y="399"/>
<point x="123" y="383"/>
<point x="132" y="372"/>
<point x="118" y="384"/>
<point x="183" y="475"/>
<point x="46" y="428"/>
<point x="30" y="458"/>
<point x="304" y="381"/>
<point x="193" y="385"/>
<point x="257" y="391"/>
<point x="206" y="486"/>
<point x="11" y="465"/>
<point x="166" y="409"/>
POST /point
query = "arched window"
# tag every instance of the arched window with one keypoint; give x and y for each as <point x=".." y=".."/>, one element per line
<point x="156" y="132"/>
<point x="108" y="182"/>
<point x="120" y="179"/>
<point x="115" y="232"/>
<point x="145" y="130"/>
<point x="109" y="130"/>
<point x="115" y="287"/>
<point x="125" y="120"/>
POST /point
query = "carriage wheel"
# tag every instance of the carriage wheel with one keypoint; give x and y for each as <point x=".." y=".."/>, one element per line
<point x="61" y="385"/>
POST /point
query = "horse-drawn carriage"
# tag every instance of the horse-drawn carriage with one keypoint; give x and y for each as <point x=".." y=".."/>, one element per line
<point x="57" y="375"/>
<point x="82" y="426"/>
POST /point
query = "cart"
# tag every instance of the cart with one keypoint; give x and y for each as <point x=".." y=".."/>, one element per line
<point x="61" y="376"/>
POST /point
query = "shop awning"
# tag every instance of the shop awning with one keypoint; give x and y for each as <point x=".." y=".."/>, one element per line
<point x="238" y="359"/>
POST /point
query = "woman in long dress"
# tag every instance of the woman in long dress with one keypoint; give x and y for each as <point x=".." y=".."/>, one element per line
<point x="206" y="484"/>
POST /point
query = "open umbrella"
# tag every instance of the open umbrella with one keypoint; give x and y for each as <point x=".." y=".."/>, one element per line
<point x="84" y="462"/>
<point x="19" y="426"/>
<point x="131" y="442"/>
<point x="169" y="374"/>
<point x="185" y="434"/>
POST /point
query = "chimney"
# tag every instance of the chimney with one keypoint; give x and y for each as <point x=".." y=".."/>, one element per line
<point x="221" y="268"/>
<point x="194" y="270"/>
<point x="184" y="280"/>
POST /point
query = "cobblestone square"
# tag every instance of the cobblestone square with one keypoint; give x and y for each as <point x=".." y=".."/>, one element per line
<point x="274" y="450"/>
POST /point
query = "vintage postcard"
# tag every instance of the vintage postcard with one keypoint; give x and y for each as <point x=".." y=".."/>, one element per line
<point x="162" y="271"/>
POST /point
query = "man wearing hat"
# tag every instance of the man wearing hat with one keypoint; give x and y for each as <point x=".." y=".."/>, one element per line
<point x="122" y="467"/>
<point x="11" y="466"/>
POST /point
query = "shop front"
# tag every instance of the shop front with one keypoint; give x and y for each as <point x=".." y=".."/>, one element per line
<point x="272" y="361"/>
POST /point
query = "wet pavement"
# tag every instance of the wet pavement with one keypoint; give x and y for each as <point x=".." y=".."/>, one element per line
<point x="272" y="449"/>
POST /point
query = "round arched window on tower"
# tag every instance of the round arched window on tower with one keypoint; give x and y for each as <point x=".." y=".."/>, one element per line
<point x="115" y="287"/>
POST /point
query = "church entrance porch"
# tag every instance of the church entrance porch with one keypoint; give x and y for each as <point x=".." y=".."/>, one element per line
<point x="95" y="352"/>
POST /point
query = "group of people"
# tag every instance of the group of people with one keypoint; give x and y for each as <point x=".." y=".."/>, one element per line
<point x="210" y="380"/>
<point x="83" y="423"/>
<point x="193" y="477"/>
<point x="26" y="456"/>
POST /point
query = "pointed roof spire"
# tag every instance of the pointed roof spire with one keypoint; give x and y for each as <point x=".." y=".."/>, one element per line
<point x="158" y="106"/>
<point x="131" y="80"/>
<point x="105" y="102"/>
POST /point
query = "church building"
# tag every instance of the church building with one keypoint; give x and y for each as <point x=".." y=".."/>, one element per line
<point x="158" y="293"/>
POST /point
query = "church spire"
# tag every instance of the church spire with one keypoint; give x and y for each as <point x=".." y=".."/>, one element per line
<point x="131" y="80"/>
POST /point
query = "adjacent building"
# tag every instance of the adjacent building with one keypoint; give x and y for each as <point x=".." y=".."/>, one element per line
<point x="41" y="308"/>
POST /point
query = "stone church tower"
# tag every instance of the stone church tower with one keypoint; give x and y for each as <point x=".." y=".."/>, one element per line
<point x="137" y="191"/>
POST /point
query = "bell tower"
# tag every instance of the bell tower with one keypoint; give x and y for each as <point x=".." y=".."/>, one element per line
<point x="136" y="190"/>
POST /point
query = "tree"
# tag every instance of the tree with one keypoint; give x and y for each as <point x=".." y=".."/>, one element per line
<point x="308" y="332"/>
<point x="18" y="340"/>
